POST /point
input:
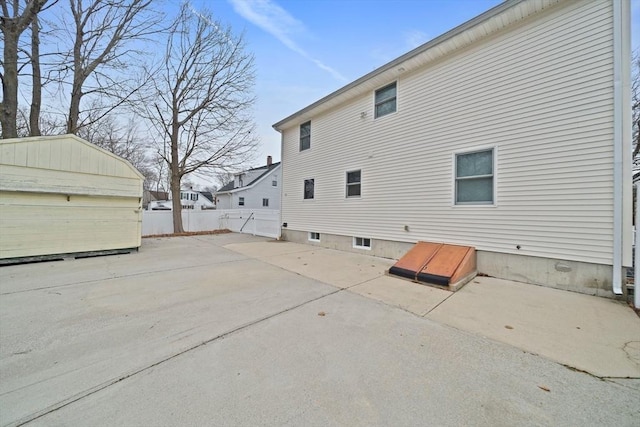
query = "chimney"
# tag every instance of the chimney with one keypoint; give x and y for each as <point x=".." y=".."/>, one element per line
<point x="269" y="161"/>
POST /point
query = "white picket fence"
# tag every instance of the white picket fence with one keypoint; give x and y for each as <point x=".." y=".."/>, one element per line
<point x="259" y="222"/>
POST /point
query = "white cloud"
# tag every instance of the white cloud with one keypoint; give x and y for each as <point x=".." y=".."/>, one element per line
<point x="280" y="24"/>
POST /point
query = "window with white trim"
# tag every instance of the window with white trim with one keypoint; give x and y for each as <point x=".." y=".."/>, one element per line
<point x="314" y="237"/>
<point x="240" y="201"/>
<point x="274" y="183"/>
<point x="305" y="136"/>
<point x="385" y="102"/>
<point x="474" y="177"/>
<point x="265" y="203"/>
<point x="353" y="183"/>
<point x="309" y="185"/>
<point x="362" y="243"/>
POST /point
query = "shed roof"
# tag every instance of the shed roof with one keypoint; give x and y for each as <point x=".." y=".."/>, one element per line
<point x="65" y="164"/>
<point x="64" y="152"/>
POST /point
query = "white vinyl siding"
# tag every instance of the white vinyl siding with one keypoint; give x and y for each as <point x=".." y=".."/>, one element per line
<point x="540" y="92"/>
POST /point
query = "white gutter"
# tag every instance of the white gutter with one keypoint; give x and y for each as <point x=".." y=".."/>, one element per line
<point x="618" y="144"/>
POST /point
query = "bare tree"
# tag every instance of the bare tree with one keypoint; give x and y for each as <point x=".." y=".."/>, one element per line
<point x="203" y="99"/>
<point x="12" y="24"/>
<point x="36" y="79"/>
<point x="102" y="63"/>
<point x="124" y="141"/>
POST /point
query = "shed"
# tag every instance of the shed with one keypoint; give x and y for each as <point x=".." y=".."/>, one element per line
<point x="64" y="195"/>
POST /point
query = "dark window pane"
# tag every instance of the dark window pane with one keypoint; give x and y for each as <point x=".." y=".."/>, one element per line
<point x="308" y="188"/>
<point x="474" y="164"/>
<point x="353" y="190"/>
<point x="386" y="93"/>
<point x="353" y="177"/>
<point x="474" y="190"/>
<point x="305" y="136"/>
<point x="305" y="143"/>
<point x="386" y="108"/>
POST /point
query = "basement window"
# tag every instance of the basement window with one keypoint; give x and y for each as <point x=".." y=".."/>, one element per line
<point x="361" y="243"/>
<point x="314" y="237"/>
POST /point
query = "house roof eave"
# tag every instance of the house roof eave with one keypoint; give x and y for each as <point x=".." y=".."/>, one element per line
<point x="476" y="28"/>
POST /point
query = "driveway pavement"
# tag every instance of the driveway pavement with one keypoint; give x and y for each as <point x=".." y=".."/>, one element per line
<point x="236" y="330"/>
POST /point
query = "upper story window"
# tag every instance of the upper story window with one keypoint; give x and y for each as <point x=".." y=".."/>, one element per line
<point x="353" y="183"/>
<point x="194" y="196"/>
<point x="184" y="195"/>
<point x="305" y="136"/>
<point x="265" y="203"/>
<point x="474" y="178"/>
<point x="386" y="100"/>
<point x="240" y="201"/>
<point x="309" y="185"/>
<point x="274" y="183"/>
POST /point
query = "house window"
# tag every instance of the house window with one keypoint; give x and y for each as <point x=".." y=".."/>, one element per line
<point x="240" y="201"/>
<point x="314" y="237"/>
<point x="305" y="136"/>
<point x="361" y="243"/>
<point x="265" y="203"/>
<point x="194" y="196"/>
<point x="308" y="188"/>
<point x="386" y="100"/>
<point x="474" y="178"/>
<point x="353" y="184"/>
<point x="184" y="196"/>
<point x="274" y="183"/>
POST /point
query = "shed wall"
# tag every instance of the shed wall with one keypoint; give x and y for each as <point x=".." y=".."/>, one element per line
<point x="62" y="195"/>
<point x="539" y="93"/>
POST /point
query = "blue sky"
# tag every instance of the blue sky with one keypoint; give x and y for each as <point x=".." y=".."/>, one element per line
<point x="306" y="49"/>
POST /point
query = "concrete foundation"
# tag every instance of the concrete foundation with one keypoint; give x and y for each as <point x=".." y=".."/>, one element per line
<point x="582" y="277"/>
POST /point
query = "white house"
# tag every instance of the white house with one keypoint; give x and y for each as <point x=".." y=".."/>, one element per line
<point x="190" y="199"/>
<point x="257" y="188"/>
<point x="510" y="133"/>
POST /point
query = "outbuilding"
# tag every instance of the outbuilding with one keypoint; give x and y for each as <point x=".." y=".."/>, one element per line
<point x="61" y="195"/>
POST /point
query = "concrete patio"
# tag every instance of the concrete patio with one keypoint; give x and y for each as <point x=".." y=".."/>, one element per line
<point x="238" y="330"/>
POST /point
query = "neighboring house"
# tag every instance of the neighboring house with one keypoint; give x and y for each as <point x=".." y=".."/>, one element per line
<point x="509" y="133"/>
<point x="151" y="196"/>
<point x="257" y="188"/>
<point x="190" y="199"/>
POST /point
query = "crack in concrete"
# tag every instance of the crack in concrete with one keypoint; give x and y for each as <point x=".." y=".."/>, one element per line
<point x="86" y="393"/>
<point x="106" y="279"/>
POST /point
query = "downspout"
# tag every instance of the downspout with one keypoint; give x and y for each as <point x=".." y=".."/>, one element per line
<point x="281" y="180"/>
<point x="617" y="145"/>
